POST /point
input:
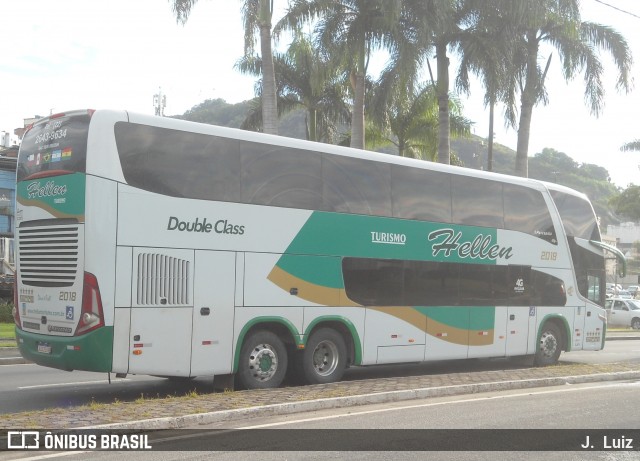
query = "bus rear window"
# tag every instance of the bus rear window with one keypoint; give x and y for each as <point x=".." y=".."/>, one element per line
<point x="55" y="144"/>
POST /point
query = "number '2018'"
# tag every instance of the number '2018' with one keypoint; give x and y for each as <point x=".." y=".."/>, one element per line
<point x="67" y="296"/>
<point x="549" y="256"/>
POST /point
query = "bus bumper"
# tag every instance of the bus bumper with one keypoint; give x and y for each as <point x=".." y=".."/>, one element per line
<point x="90" y="352"/>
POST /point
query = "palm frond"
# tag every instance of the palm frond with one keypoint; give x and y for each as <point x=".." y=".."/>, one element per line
<point x="631" y="146"/>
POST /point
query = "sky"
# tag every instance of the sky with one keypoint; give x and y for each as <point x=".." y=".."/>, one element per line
<point x="117" y="54"/>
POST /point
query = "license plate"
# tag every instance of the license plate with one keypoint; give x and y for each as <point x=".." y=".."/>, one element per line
<point x="44" y="348"/>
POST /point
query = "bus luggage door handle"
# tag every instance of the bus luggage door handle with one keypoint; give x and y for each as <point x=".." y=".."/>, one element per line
<point x="205" y="311"/>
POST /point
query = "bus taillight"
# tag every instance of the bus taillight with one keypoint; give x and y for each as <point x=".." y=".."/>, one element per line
<point x="91" y="316"/>
<point x="16" y="309"/>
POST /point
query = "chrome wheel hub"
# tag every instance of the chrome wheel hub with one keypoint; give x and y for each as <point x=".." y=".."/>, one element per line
<point x="263" y="362"/>
<point x="325" y="358"/>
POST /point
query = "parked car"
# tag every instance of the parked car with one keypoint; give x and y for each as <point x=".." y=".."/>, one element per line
<point x="623" y="294"/>
<point x="622" y="312"/>
<point x="633" y="289"/>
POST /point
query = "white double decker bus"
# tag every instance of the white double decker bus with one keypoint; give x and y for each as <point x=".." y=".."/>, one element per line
<point x="149" y="245"/>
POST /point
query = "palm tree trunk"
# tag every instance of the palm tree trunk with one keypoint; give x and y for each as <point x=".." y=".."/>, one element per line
<point x="490" y="140"/>
<point x="312" y="125"/>
<point x="401" y="147"/>
<point x="524" y="131"/>
<point x="357" y="117"/>
<point x="528" y="100"/>
<point x="269" y="104"/>
<point x="442" y="88"/>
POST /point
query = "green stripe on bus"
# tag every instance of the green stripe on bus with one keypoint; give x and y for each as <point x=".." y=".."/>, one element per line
<point x="89" y="352"/>
<point x="61" y="196"/>
<point x="335" y="234"/>
<point x="466" y="318"/>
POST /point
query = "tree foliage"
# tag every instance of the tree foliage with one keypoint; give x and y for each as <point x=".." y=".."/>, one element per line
<point x="349" y="30"/>
<point x="632" y="145"/>
<point x="217" y="112"/>
<point x="409" y="120"/>
<point x="556" y="24"/>
<point x="305" y="78"/>
<point x="256" y="18"/>
<point x="627" y="203"/>
<point x="500" y="41"/>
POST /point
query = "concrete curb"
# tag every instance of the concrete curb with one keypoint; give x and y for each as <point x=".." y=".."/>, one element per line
<point x="342" y="402"/>
<point x="621" y="338"/>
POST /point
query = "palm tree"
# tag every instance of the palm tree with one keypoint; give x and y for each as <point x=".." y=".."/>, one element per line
<point x="350" y="29"/>
<point x="305" y="78"/>
<point x="557" y="23"/>
<point x="411" y="118"/>
<point x="257" y="15"/>
<point x="633" y="145"/>
<point x="486" y="54"/>
<point x="438" y="28"/>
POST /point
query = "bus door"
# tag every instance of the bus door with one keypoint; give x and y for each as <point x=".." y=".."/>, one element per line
<point x="594" y="315"/>
<point x="161" y="312"/>
<point x="594" y="326"/>
<point x="520" y="321"/>
<point x="214" y="296"/>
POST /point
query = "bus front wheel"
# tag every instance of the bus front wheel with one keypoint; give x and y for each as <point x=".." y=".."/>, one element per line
<point x="263" y="361"/>
<point x="325" y="356"/>
<point x="549" y="346"/>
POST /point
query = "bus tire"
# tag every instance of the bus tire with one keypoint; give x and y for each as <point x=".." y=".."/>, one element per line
<point x="263" y="361"/>
<point x="549" y="346"/>
<point x="325" y="357"/>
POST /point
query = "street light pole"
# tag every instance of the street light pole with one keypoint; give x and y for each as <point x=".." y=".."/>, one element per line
<point x="159" y="102"/>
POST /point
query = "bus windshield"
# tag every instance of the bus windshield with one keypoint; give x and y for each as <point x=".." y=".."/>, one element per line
<point x="580" y="224"/>
<point x="56" y="145"/>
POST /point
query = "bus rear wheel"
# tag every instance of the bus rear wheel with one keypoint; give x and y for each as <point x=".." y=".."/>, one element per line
<point x="324" y="358"/>
<point x="263" y="361"/>
<point x="549" y="346"/>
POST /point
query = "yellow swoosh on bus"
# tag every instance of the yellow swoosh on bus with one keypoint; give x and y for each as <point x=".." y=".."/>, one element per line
<point x="327" y="296"/>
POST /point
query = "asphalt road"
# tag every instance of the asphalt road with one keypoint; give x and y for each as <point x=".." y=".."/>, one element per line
<point x="586" y="408"/>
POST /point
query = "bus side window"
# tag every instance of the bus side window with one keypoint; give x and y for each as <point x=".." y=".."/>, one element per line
<point x="526" y="211"/>
<point x="477" y="202"/>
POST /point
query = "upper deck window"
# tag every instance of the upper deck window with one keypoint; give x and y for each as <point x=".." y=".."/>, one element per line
<point x="207" y="167"/>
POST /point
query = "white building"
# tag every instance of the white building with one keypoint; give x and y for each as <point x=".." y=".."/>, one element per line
<point x="8" y="140"/>
<point x="625" y="235"/>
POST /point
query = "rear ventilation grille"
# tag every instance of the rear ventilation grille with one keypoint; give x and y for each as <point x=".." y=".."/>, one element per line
<point x="48" y="256"/>
<point x="162" y="280"/>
